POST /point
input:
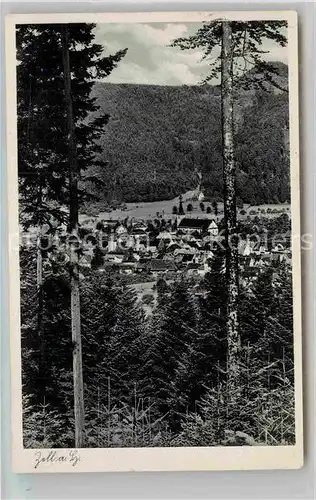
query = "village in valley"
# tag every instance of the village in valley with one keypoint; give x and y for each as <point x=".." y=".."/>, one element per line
<point x="183" y="240"/>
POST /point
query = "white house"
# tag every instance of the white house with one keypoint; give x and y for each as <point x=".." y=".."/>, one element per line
<point x="115" y="257"/>
<point x="139" y="224"/>
<point x="164" y="235"/>
<point x="112" y="244"/>
<point x="120" y="230"/>
<point x="190" y="225"/>
<point x="278" y="248"/>
<point x="213" y="228"/>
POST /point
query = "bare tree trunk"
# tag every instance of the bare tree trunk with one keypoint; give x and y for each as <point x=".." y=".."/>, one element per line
<point x="39" y="261"/>
<point x="40" y="293"/>
<point x="40" y="332"/>
<point x="73" y="229"/>
<point x="229" y="174"/>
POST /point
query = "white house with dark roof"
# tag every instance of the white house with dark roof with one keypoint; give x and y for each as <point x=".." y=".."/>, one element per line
<point x="213" y="228"/>
<point x="110" y="223"/>
<point x="160" y="266"/>
<point x="189" y="225"/>
<point x="139" y="224"/>
<point x="116" y="256"/>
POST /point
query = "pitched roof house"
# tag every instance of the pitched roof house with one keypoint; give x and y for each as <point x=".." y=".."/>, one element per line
<point x="189" y="224"/>
<point x="111" y="223"/>
<point x="164" y="235"/>
<point x="213" y="228"/>
<point x="139" y="225"/>
<point x="120" y="229"/>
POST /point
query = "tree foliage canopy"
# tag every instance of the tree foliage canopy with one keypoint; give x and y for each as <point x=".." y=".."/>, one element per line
<point x="42" y="125"/>
<point x="247" y="40"/>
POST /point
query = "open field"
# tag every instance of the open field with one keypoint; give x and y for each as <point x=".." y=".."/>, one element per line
<point x="150" y="210"/>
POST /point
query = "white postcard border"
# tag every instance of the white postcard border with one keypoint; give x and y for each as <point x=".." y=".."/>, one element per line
<point x="148" y="459"/>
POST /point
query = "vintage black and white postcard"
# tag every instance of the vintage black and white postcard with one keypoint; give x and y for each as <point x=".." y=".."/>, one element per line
<point x="155" y="288"/>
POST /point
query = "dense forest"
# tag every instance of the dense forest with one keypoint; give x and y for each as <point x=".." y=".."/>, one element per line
<point x="157" y="380"/>
<point x="159" y="137"/>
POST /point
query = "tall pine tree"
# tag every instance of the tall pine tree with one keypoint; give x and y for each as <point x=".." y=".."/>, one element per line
<point x="58" y="67"/>
<point x="203" y="362"/>
<point x="241" y="50"/>
<point x="42" y="124"/>
<point x="172" y="329"/>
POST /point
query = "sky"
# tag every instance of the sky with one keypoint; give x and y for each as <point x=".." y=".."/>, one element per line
<point x="149" y="59"/>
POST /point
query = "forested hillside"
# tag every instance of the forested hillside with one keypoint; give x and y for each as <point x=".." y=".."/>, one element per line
<point x="159" y="137"/>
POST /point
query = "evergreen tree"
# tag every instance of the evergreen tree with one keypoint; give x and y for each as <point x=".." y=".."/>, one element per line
<point x="173" y="326"/>
<point x="280" y="325"/>
<point x="203" y="363"/>
<point x="163" y="292"/>
<point x="112" y="326"/>
<point x="30" y="342"/>
<point x="49" y="384"/>
<point x="254" y="319"/>
<point x="162" y="247"/>
<point x="238" y="40"/>
<point x="97" y="259"/>
<point x="57" y="70"/>
<point x="214" y="205"/>
<point x="180" y="211"/>
<point x="267" y="329"/>
<point x="98" y="300"/>
<point x="42" y="125"/>
<point x="126" y="346"/>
